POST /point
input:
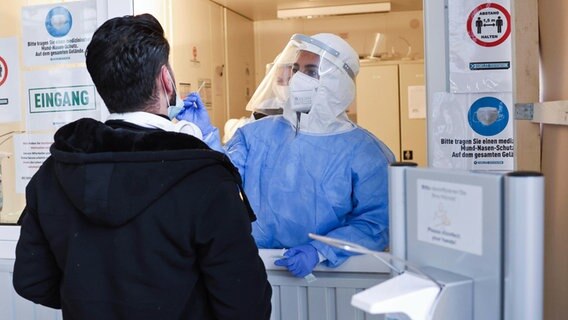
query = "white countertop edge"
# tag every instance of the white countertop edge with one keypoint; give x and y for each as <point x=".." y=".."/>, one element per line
<point x="8" y="233"/>
<point x="359" y="263"/>
<point x="8" y="239"/>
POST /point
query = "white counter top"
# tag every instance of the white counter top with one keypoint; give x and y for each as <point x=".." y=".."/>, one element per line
<point x="360" y="263"/>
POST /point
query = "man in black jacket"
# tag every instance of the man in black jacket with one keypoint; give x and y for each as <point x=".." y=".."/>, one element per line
<point x="130" y="219"/>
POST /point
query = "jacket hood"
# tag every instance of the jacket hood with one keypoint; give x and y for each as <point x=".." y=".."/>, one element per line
<point x="111" y="175"/>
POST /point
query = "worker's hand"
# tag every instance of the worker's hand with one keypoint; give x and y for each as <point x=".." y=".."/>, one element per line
<point x="194" y="111"/>
<point x="300" y="260"/>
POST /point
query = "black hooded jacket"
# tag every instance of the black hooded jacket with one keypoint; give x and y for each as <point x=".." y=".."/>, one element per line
<point x="123" y="222"/>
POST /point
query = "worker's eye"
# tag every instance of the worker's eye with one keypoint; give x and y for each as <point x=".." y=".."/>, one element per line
<point x="312" y="72"/>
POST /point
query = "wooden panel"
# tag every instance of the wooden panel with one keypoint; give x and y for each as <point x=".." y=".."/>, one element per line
<point x="554" y="155"/>
<point x="526" y="75"/>
<point x="553" y="39"/>
<point x="378" y="105"/>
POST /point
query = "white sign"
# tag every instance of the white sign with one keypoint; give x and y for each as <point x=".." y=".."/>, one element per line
<point x="10" y="102"/>
<point x="471" y="131"/>
<point x="60" y="96"/>
<point x="480" y="46"/>
<point x="57" y="33"/>
<point x="450" y="215"/>
<point x="61" y="99"/>
<point x="416" y="102"/>
<point x="30" y="151"/>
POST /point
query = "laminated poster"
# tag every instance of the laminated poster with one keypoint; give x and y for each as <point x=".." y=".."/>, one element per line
<point x="57" y="33"/>
<point x="471" y="131"/>
<point x="480" y="46"/>
<point x="30" y="151"/>
<point x="451" y="215"/>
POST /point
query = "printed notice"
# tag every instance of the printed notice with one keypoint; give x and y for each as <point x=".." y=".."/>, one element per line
<point x="450" y="215"/>
<point x="30" y="151"/>
<point x="59" y="96"/>
<point x="57" y="33"/>
<point x="472" y="132"/>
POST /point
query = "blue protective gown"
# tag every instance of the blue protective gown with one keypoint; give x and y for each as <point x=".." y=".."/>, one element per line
<point x="329" y="184"/>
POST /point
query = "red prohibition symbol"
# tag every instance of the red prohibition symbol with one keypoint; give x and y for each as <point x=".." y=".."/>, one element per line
<point x="487" y="30"/>
<point x="3" y="71"/>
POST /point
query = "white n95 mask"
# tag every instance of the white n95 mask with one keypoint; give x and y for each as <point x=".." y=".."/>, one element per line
<point x="174" y="110"/>
<point x="303" y="89"/>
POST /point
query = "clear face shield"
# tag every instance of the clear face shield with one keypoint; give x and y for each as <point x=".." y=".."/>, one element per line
<point x="285" y="87"/>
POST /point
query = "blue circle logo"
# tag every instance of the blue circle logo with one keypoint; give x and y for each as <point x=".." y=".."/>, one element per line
<point x="58" y="22"/>
<point x="488" y="116"/>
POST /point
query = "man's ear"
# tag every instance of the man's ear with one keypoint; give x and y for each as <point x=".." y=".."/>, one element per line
<point x="166" y="80"/>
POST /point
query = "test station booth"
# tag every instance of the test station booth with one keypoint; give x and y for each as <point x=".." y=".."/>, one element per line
<point x="464" y="245"/>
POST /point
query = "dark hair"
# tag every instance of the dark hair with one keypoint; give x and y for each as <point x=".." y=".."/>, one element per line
<point x="124" y="58"/>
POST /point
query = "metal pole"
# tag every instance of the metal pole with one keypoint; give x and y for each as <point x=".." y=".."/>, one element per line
<point x="397" y="209"/>
<point x="524" y="246"/>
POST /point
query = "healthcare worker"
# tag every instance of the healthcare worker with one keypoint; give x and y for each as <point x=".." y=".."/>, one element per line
<point x="311" y="170"/>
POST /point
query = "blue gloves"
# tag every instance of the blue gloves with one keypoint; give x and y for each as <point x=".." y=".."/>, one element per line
<point x="194" y="111"/>
<point x="300" y="260"/>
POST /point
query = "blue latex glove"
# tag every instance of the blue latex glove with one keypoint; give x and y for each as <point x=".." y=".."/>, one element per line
<point x="300" y="260"/>
<point x="194" y="111"/>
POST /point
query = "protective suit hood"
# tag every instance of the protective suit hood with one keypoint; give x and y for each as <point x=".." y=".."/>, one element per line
<point x="339" y="65"/>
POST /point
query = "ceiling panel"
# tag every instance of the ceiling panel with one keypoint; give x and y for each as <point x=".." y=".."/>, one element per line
<point x="266" y="9"/>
